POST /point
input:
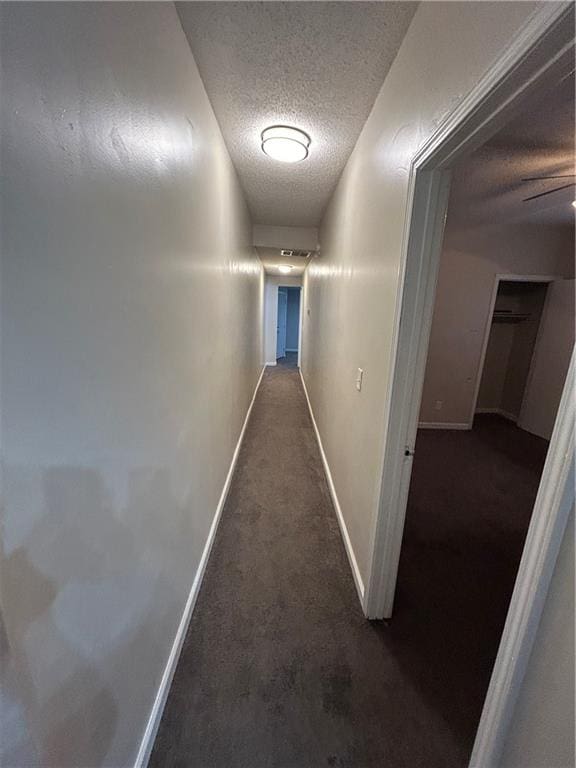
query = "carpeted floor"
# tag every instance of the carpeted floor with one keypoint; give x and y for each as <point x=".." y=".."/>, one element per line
<point x="281" y="670"/>
<point x="290" y="360"/>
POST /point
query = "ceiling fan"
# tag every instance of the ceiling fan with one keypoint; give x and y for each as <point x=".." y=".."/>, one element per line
<point x="550" y="191"/>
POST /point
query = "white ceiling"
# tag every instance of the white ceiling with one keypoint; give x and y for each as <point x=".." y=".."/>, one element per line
<point x="488" y="186"/>
<point x="314" y="65"/>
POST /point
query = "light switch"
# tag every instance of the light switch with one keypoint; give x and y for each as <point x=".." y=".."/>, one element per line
<point x="359" y="376"/>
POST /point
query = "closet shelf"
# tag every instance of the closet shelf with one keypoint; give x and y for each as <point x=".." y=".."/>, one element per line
<point x="502" y="316"/>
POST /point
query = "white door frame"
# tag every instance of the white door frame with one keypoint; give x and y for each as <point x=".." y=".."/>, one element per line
<point x="503" y="277"/>
<point x="540" y="55"/>
<point x="300" y="319"/>
<point x="299" y="288"/>
<point x="278" y="290"/>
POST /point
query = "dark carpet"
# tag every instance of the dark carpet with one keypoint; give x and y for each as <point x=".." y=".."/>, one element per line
<point x="279" y="667"/>
<point x="290" y="360"/>
<point x="469" y="508"/>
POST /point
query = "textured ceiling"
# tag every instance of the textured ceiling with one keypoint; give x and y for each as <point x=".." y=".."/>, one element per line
<point x="488" y="186"/>
<point x="315" y="65"/>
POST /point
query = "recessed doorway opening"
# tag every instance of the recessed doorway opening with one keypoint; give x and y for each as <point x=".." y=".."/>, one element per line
<point x="288" y="326"/>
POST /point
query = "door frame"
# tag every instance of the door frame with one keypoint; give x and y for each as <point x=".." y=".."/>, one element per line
<point x="540" y="55"/>
<point x="299" y="289"/>
<point x="278" y="289"/>
<point x="300" y="320"/>
<point x="500" y="277"/>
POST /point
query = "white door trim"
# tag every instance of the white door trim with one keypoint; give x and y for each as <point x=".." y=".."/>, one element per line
<point x="497" y="280"/>
<point x="282" y="288"/>
<point x="300" y="319"/>
<point x="540" y="55"/>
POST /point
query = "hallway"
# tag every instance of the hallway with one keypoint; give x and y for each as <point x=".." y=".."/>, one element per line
<point x="221" y="229"/>
<point x="280" y="667"/>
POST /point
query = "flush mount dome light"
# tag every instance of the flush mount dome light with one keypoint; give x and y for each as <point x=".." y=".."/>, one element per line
<point x="285" y="268"/>
<point x="288" y="145"/>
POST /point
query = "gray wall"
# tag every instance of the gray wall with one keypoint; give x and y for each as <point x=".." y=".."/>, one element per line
<point x="542" y="729"/>
<point x="130" y="350"/>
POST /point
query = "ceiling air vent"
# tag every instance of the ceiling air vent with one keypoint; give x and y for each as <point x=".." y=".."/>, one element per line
<point x="295" y="253"/>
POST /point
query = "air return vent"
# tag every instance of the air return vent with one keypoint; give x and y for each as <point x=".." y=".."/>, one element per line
<point x="295" y="253"/>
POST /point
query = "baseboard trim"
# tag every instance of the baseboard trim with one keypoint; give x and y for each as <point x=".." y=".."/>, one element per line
<point x="499" y="412"/>
<point x="343" y="529"/>
<point x="149" y="737"/>
<point x="291" y="350"/>
<point x="442" y="425"/>
<point x="274" y="363"/>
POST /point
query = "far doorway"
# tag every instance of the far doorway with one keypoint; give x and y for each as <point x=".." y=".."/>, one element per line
<point x="288" y="326"/>
<point x="509" y="349"/>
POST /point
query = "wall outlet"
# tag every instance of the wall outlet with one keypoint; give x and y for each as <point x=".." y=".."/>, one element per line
<point x="359" y="376"/>
<point x="438" y="405"/>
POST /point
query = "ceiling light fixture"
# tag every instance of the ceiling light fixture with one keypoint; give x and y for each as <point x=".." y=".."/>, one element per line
<point x="574" y="203"/>
<point x="285" y="268"/>
<point x="288" y="145"/>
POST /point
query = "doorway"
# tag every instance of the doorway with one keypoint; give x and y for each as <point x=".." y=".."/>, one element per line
<point x="288" y="326"/>
<point x="472" y="492"/>
<point x="509" y="346"/>
<point x="282" y="322"/>
<point x="540" y="62"/>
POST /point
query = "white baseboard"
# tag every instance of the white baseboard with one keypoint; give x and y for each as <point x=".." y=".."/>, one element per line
<point x="343" y="529"/>
<point x="159" y="702"/>
<point x="291" y="350"/>
<point x="499" y="412"/>
<point x="442" y="425"/>
<point x="274" y="363"/>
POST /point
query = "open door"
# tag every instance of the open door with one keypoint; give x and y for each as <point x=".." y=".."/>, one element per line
<point x="281" y="327"/>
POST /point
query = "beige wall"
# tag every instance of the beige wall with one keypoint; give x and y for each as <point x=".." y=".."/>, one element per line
<point x="352" y="289"/>
<point x="550" y="362"/>
<point x="470" y="261"/>
<point x="130" y="351"/>
<point x="542" y="729"/>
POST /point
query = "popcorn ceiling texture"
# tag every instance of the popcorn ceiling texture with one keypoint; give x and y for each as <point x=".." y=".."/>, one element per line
<point x="317" y="66"/>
